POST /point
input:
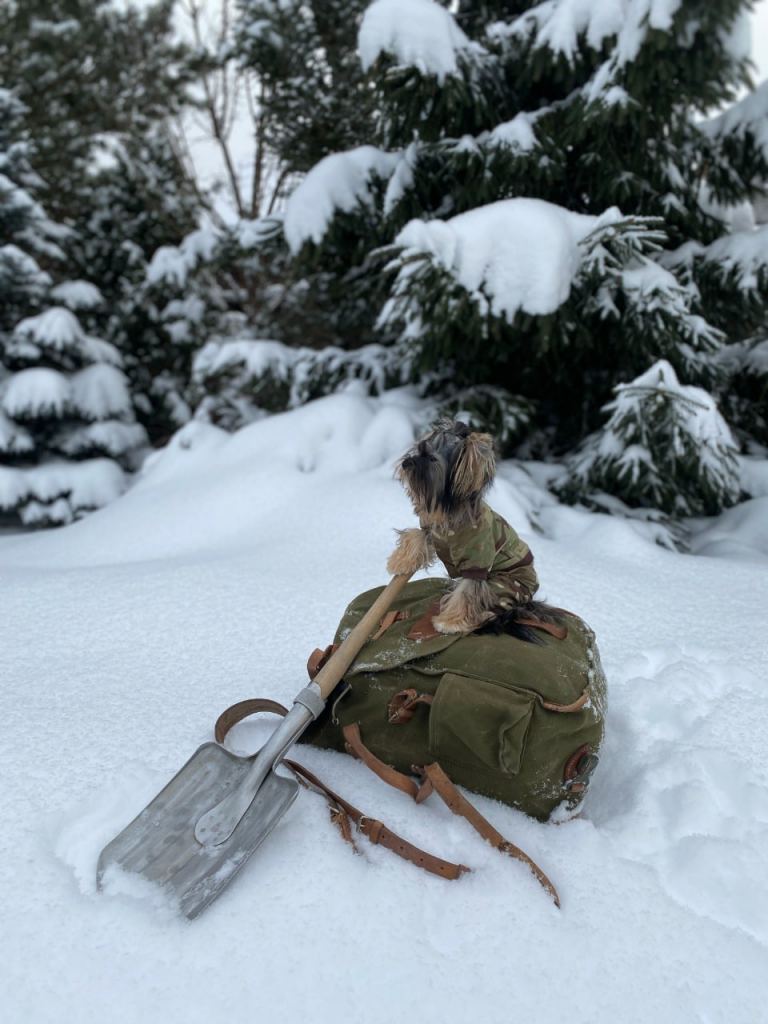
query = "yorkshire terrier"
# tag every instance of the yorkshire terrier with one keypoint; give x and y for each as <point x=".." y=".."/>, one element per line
<point x="446" y="475"/>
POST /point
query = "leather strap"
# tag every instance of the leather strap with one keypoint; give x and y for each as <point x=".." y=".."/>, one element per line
<point x="567" y="708"/>
<point x="387" y="620"/>
<point x="343" y="813"/>
<point x="401" y="707"/>
<point x="385" y="772"/>
<point x="458" y="804"/>
<point x="423" y="629"/>
<point x="435" y="778"/>
<point x="318" y="658"/>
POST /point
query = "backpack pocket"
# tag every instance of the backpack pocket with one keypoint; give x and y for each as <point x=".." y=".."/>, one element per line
<point x="473" y="722"/>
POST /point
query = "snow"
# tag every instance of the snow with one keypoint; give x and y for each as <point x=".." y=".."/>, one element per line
<point x="79" y="485"/>
<point x="415" y="33"/>
<point x="77" y="294"/>
<point x="100" y="391"/>
<point x="36" y="392"/>
<point x="124" y="635"/>
<point x="517" y="134"/>
<point x="339" y="182"/>
<point x="171" y="264"/>
<point x="747" y="117"/>
<point x="743" y="254"/>
<point x="516" y="254"/>
<point x="56" y="329"/>
<point x="559" y="25"/>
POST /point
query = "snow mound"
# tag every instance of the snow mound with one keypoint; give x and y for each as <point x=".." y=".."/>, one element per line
<point x="740" y="532"/>
<point x="217" y="489"/>
<point x="125" y="635"/>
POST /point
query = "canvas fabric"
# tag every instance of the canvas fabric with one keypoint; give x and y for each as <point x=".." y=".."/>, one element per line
<point x="491" y="545"/>
<point x="492" y="723"/>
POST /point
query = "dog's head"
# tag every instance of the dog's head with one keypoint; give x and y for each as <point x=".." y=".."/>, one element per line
<point x="447" y="472"/>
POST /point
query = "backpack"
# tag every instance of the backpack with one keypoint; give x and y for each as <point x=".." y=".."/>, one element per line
<point x="515" y="718"/>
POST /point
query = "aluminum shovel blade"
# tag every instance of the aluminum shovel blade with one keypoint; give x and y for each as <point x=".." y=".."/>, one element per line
<point x="160" y="846"/>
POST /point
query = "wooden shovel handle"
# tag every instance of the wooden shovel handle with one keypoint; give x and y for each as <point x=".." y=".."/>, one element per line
<point x="333" y="670"/>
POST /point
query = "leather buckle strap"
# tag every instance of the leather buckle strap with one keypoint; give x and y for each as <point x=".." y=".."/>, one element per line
<point x="343" y="813"/>
<point x="388" y="774"/>
<point x="401" y="707"/>
<point x="459" y="805"/>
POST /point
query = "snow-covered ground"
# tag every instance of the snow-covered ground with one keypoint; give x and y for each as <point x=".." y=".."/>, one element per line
<point x="122" y="637"/>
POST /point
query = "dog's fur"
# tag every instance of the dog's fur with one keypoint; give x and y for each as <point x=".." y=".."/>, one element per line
<point x="446" y="475"/>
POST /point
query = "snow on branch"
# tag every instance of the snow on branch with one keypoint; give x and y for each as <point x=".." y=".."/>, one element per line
<point x="77" y="294"/>
<point x="414" y="33"/>
<point x="57" y="492"/>
<point x="243" y="379"/>
<point x="515" y="254"/>
<point x="748" y="117"/>
<point x="173" y="264"/>
<point x="561" y="25"/>
<point x="339" y="182"/>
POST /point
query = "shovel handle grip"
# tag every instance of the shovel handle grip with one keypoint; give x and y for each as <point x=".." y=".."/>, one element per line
<point x="333" y="670"/>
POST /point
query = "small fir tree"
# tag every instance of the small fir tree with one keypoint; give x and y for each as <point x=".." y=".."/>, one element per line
<point x="664" y="444"/>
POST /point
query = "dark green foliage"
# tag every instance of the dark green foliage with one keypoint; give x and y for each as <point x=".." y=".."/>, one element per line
<point x="312" y="87"/>
<point x="588" y="124"/>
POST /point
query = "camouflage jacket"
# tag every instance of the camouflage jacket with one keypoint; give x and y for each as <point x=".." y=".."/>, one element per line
<point x="478" y="552"/>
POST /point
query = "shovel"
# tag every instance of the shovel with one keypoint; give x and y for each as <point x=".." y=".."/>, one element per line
<point x="199" y="831"/>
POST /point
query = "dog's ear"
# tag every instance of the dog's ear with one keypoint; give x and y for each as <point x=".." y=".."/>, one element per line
<point x="475" y="467"/>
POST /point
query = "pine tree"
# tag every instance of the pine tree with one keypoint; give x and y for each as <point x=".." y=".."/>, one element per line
<point x="546" y="204"/>
<point x="66" y="424"/>
<point x="99" y="82"/>
<point x="87" y="71"/>
<point x="137" y="205"/>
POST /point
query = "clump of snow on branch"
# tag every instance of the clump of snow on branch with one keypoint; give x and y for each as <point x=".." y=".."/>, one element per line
<point x="77" y="294"/>
<point x="58" y="491"/>
<point x="516" y="254"/>
<point x="338" y="183"/>
<point x="415" y="33"/>
<point x="173" y="264"/>
<point x="561" y="25"/>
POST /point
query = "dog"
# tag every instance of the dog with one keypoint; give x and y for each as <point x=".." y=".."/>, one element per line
<point x="446" y="475"/>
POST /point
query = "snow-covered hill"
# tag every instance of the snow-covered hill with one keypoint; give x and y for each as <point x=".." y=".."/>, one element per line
<point x="122" y="637"/>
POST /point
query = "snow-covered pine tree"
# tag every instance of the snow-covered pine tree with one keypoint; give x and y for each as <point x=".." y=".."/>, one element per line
<point x="66" y="424"/>
<point x="99" y="82"/>
<point x="556" y="209"/>
<point x="139" y="203"/>
<point x="664" y="444"/>
<point x="87" y="70"/>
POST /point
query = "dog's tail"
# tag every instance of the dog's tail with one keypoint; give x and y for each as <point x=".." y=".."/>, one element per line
<point x="508" y="621"/>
